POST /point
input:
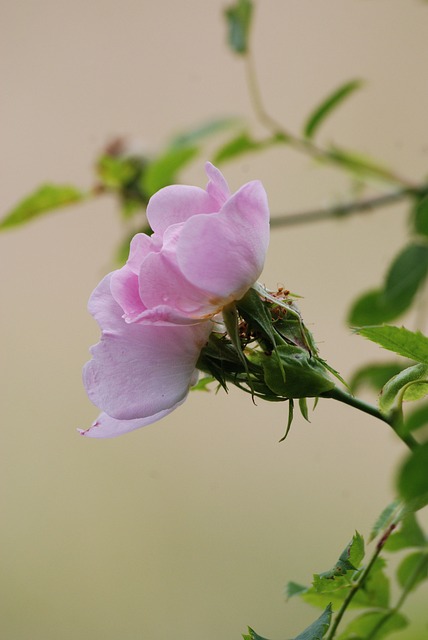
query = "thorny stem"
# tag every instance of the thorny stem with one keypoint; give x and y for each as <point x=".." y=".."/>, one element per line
<point x="300" y="144"/>
<point x="347" y="209"/>
<point x="346" y="398"/>
<point x="358" y="584"/>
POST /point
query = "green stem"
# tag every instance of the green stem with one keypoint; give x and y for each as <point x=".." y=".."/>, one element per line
<point x="300" y="144"/>
<point x="349" y="208"/>
<point x="357" y="586"/>
<point x="347" y="398"/>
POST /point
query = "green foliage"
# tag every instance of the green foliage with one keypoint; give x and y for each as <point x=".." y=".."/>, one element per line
<point x="243" y="143"/>
<point x="305" y="376"/>
<point x="46" y="198"/>
<point x="409" y="344"/>
<point x="328" y="105"/>
<point x="412" y="482"/>
<point x="404" y="278"/>
<point x="198" y="134"/>
<point x="413" y="570"/>
<point x="372" y="308"/>
<point x="389" y="516"/>
<point x="316" y="631"/>
<point x="360" y="166"/>
<point x="417" y="418"/>
<point x="374" y="375"/>
<point x="373" y="624"/>
<point x="335" y="585"/>
<point x="238" y="17"/>
<point x="409" y="384"/>
<point x="203" y="383"/>
<point x="408" y="535"/>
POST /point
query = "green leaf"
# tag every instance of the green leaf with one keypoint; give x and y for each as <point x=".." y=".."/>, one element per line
<point x="406" y="274"/>
<point x="409" y="535"/>
<point x="390" y="515"/>
<point x="303" y="406"/>
<point x="293" y="589"/>
<point x="356" y="550"/>
<point x="241" y="144"/>
<point x="290" y="419"/>
<point x="413" y="478"/>
<point x="416" y="419"/>
<point x="163" y="171"/>
<point x="375" y="593"/>
<point x="373" y="621"/>
<point x="420" y="216"/>
<point x="197" y="134"/>
<point x="46" y="198"/>
<point x="252" y="635"/>
<point x="318" y="629"/>
<point x="328" y="105"/>
<point x="238" y="17"/>
<point x="372" y="308"/>
<point x="400" y="340"/>
<point x="404" y="278"/>
<point x="361" y="166"/>
<point x="203" y="383"/>
<point x="413" y="570"/>
<point x="410" y="384"/>
<point x="349" y="560"/>
<point x="374" y="375"/>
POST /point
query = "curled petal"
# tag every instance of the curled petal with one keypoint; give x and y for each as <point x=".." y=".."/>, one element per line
<point x="217" y="186"/>
<point x="141" y="246"/>
<point x="107" y="427"/>
<point x="175" y="204"/>
<point x="224" y="253"/>
<point x="162" y="284"/>
<point x="124" y="287"/>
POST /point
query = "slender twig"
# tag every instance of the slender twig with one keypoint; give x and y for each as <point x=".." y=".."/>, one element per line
<point x="303" y="145"/>
<point x="357" y="585"/>
<point x="347" y="398"/>
<point x="347" y="209"/>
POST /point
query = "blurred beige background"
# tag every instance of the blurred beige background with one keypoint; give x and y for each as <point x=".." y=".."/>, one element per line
<point x="191" y="527"/>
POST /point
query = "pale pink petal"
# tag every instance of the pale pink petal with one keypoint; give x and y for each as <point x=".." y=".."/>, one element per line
<point x="141" y="246"/>
<point x="217" y="186"/>
<point x="107" y="427"/>
<point x="138" y="370"/>
<point x="125" y="290"/>
<point x="103" y="307"/>
<point x="175" y="204"/>
<point x="163" y="284"/>
<point x="224" y="253"/>
<point x="165" y="315"/>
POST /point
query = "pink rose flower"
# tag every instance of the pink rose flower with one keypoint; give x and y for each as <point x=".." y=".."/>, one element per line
<point x="208" y="248"/>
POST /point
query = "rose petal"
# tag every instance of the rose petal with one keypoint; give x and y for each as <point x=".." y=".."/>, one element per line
<point x="175" y="204"/>
<point x="224" y="253"/>
<point x="217" y="186"/>
<point x="138" y="370"/>
<point x="141" y="246"/>
<point x="124" y="287"/>
<point x="163" y="284"/>
<point x="108" y="427"/>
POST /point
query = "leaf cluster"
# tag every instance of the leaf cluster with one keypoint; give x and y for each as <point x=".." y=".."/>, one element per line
<point x="351" y="584"/>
